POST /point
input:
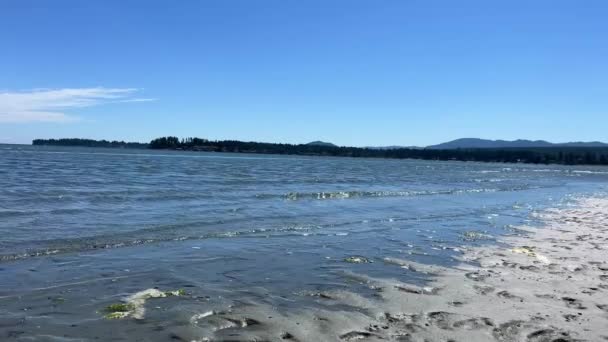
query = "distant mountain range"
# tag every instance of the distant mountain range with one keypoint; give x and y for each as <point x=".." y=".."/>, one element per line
<point x="474" y="143"/>
<point x="484" y="143"/>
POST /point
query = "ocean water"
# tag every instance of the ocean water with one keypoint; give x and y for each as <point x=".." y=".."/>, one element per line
<point x="82" y="228"/>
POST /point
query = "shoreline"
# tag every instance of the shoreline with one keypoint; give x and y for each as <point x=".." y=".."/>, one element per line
<point x="550" y="284"/>
<point x="541" y="283"/>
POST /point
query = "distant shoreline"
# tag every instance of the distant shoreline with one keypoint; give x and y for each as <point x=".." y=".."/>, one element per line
<point x="539" y="155"/>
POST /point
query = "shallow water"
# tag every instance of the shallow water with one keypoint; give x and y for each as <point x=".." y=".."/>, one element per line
<point x="82" y="228"/>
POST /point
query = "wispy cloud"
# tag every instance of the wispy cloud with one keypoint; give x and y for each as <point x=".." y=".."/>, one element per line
<point x="50" y="105"/>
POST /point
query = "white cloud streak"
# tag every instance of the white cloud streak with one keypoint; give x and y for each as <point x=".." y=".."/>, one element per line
<point x="50" y="105"/>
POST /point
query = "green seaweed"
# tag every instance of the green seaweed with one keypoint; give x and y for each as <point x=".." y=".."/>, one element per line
<point x="134" y="304"/>
<point x="118" y="310"/>
<point x="119" y="307"/>
<point x="357" y="260"/>
<point x="116" y="315"/>
<point x="178" y="292"/>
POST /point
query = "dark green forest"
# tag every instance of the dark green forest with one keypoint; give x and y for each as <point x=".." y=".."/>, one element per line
<point x="545" y="155"/>
<point x="87" y="143"/>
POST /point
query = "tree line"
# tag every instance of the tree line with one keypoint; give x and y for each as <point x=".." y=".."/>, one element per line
<point x="88" y="143"/>
<point x="543" y="155"/>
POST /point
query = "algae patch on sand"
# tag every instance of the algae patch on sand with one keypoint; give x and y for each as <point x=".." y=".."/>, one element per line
<point x="473" y="235"/>
<point x="358" y="260"/>
<point x="134" y="305"/>
<point x="180" y="292"/>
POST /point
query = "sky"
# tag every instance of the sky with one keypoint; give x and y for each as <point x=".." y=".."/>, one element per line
<point x="351" y="72"/>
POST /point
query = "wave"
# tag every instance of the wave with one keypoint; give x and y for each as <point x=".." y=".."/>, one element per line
<point x="173" y="233"/>
<point x="328" y="195"/>
<point x="590" y="172"/>
<point x="489" y="171"/>
<point x="101" y="242"/>
<point x="5" y="213"/>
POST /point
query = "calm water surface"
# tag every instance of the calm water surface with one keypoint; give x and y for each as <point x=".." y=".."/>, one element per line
<point x="81" y="228"/>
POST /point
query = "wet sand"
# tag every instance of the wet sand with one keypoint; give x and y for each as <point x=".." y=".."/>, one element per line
<point x="542" y="284"/>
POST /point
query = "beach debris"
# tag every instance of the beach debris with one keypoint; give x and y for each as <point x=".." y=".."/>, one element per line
<point x="57" y="300"/>
<point x="195" y="318"/>
<point x="477" y="276"/>
<point x="475" y="235"/>
<point x="357" y="260"/>
<point x="573" y="303"/>
<point x="428" y="290"/>
<point x="529" y="251"/>
<point x="322" y="295"/>
<point x="356" y="335"/>
<point x="483" y="289"/>
<point x="414" y="266"/>
<point x="603" y="307"/>
<point x="508" y="295"/>
<point x="217" y="321"/>
<point x="134" y="305"/>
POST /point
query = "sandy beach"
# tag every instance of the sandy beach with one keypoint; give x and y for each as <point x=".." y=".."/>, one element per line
<point x="541" y="284"/>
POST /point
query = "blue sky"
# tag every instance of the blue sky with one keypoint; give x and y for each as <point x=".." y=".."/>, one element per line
<point x="347" y="71"/>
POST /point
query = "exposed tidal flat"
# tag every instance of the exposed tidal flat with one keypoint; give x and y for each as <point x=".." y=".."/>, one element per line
<point x="100" y="244"/>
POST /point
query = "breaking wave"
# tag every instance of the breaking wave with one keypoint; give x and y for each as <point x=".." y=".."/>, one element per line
<point x="328" y="195"/>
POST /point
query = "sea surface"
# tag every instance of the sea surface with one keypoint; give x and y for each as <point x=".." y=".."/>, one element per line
<point x="82" y="228"/>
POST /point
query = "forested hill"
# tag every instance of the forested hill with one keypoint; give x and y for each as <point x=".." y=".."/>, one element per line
<point x="88" y="143"/>
<point x="541" y="155"/>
